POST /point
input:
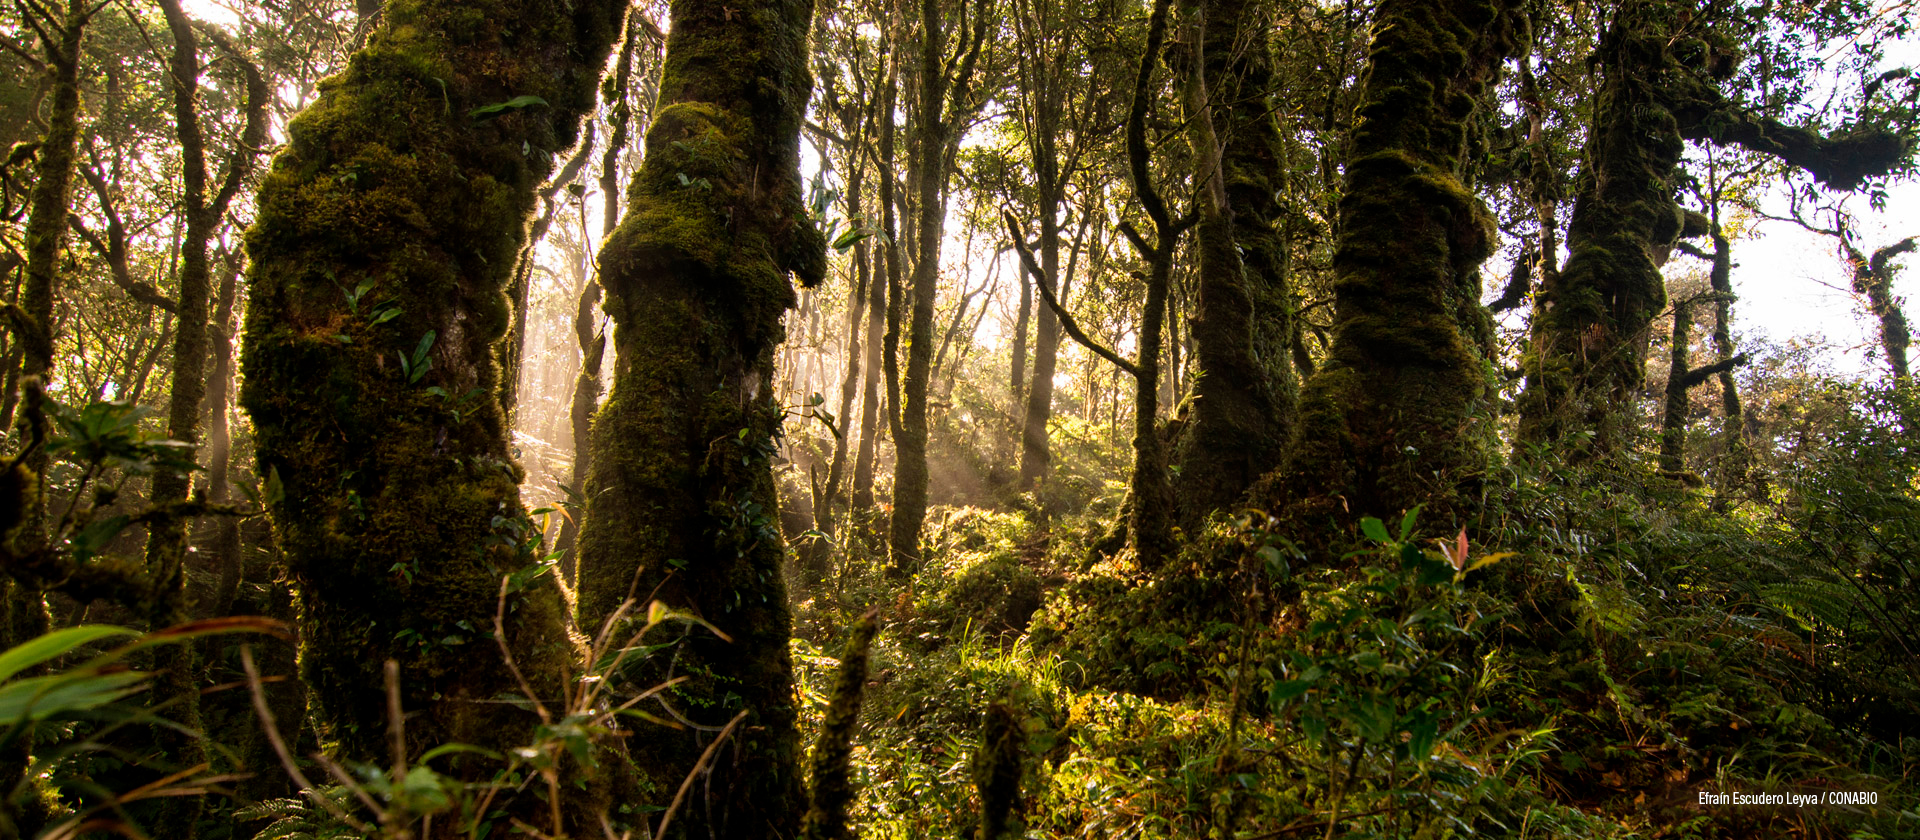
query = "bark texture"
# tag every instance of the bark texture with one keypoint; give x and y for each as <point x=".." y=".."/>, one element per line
<point x="1395" y="416"/>
<point x="1243" y="386"/>
<point x="681" y="498"/>
<point x="384" y="246"/>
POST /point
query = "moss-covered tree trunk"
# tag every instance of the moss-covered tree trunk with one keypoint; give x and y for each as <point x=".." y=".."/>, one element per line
<point x="942" y="95"/>
<point x="205" y="205"/>
<point x="1151" y="505"/>
<point x="1394" y="418"/>
<point x="1873" y="279"/>
<point x="1590" y="326"/>
<point x="681" y="502"/>
<point x="23" y="605"/>
<point x="587" y="334"/>
<point x="382" y="252"/>
<point x="1243" y="396"/>
<point x="1736" y="460"/>
<point x="1590" y="330"/>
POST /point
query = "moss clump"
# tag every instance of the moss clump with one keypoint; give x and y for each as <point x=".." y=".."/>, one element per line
<point x="977" y="579"/>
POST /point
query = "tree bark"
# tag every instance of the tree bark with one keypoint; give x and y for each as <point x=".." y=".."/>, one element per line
<point x="1591" y="327"/>
<point x="938" y="116"/>
<point x="681" y="504"/>
<point x="1243" y="383"/>
<point x="1394" y="418"/>
<point x="405" y="188"/>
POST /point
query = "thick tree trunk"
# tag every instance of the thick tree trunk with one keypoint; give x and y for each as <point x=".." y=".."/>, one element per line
<point x="385" y="241"/>
<point x="1243" y="385"/>
<point x="1394" y="417"/>
<point x="681" y="503"/>
<point x="1591" y="326"/>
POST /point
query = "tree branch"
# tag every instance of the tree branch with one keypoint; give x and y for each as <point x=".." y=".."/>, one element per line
<point x="1699" y="376"/>
<point x="1067" y="321"/>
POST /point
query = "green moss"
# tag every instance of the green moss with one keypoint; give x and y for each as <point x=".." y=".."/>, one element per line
<point x="1393" y="419"/>
<point x="681" y="498"/>
<point x="397" y="504"/>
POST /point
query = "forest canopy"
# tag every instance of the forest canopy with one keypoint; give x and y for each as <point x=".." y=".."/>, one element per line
<point x="1237" y="419"/>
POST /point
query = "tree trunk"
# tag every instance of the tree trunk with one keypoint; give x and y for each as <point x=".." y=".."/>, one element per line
<point x="936" y="124"/>
<point x="1873" y="279"/>
<point x="1395" y="417"/>
<point x="1152" y="508"/>
<point x="204" y="209"/>
<point x="877" y="297"/>
<point x="1590" y="329"/>
<point x="681" y="504"/>
<point x="378" y="302"/>
<point x="1673" y="418"/>
<point x="1243" y="386"/>
<point x="586" y="322"/>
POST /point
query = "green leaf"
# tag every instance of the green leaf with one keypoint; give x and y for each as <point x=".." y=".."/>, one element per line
<point x="1375" y="530"/>
<point x="487" y="112"/>
<point x="1406" y="523"/>
<point x="57" y="643"/>
<point x="42" y="697"/>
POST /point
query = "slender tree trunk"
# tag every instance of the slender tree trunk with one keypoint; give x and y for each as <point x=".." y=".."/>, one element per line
<point x="910" y="447"/>
<point x="206" y="204"/>
<point x="1036" y="457"/>
<point x="225" y="545"/>
<point x="395" y="500"/>
<point x="1873" y="278"/>
<point x="47" y="219"/>
<point x="681" y="502"/>
<point x="1152" y="511"/>
<point x="23" y="603"/>
<point x="1737" y="462"/>
<point x="586" y="321"/>
<point x="877" y="307"/>
<point x="1017" y="379"/>
<point x="1673" y="419"/>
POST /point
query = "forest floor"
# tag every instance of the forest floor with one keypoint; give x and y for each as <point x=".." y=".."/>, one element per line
<point x="1546" y="687"/>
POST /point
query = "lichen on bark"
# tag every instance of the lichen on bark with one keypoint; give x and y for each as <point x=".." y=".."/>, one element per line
<point x="681" y="503"/>
<point x="383" y="247"/>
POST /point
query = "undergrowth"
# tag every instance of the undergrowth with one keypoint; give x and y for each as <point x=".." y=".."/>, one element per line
<point x="1587" y="660"/>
